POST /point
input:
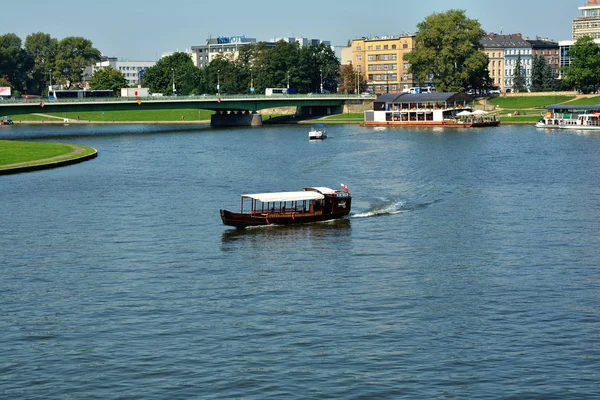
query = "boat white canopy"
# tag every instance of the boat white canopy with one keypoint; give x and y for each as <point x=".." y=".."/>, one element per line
<point x="321" y="189"/>
<point x="285" y="196"/>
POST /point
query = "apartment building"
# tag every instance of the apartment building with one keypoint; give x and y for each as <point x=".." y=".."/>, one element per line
<point x="380" y="60"/>
<point x="503" y="52"/>
<point x="549" y="50"/>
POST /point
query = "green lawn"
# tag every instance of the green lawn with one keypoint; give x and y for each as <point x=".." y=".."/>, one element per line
<point x="527" y="101"/>
<point x="587" y="101"/>
<point x="12" y="151"/>
<point x="109" y="116"/>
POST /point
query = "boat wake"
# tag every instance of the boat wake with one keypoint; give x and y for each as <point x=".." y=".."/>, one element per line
<point x="389" y="208"/>
<point x="393" y="207"/>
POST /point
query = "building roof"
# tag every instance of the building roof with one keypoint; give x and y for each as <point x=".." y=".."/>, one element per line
<point x="543" y="44"/>
<point x="495" y="41"/>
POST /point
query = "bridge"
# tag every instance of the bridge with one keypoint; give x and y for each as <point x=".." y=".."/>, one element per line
<point x="230" y="110"/>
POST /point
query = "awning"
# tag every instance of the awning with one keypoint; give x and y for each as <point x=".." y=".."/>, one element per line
<point x="284" y="196"/>
<point x="321" y="189"/>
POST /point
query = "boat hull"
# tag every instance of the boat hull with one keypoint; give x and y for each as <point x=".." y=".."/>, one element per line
<point x="246" y="220"/>
<point x="450" y="124"/>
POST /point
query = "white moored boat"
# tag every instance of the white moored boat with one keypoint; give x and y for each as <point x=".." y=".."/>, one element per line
<point x="579" y="118"/>
<point x="317" y="132"/>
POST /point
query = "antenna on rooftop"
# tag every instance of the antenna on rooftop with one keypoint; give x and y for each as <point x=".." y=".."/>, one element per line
<point x="500" y="30"/>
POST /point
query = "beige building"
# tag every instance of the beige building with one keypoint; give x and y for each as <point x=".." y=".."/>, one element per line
<point x="381" y="62"/>
<point x="588" y="24"/>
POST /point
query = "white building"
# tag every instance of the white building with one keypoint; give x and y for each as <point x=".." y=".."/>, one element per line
<point x="588" y="24"/>
<point x="133" y="71"/>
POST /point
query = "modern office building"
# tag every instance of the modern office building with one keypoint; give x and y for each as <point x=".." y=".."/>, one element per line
<point x="503" y="52"/>
<point x="588" y="24"/>
<point x="223" y="45"/>
<point x="229" y="46"/>
<point x="304" y="42"/>
<point x="563" y="47"/>
<point x="380" y="60"/>
<point x="133" y="71"/>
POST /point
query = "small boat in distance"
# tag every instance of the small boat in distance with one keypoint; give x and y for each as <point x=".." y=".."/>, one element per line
<point x="312" y="204"/>
<point x="317" y="132"/>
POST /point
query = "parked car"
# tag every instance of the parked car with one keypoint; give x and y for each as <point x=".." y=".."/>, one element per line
<point x="6" y="121"/>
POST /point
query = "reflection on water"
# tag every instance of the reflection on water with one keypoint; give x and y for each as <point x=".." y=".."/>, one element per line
<point x="287" y="233"/>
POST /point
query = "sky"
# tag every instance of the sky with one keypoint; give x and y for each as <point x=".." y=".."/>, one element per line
<point x="144" y="30"/>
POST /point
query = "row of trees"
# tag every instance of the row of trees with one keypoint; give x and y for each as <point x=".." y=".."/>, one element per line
<point x="256" y="67"/>
<point x="29" y="66"/>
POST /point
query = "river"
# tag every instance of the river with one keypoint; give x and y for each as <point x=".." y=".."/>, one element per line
<point x="468" y="268"/>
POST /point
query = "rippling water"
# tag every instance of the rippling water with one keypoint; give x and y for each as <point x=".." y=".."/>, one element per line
<point x="467" y="269"/>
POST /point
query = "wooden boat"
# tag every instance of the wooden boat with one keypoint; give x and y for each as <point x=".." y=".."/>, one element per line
<point x="317" y="132"/>
<point x="312" y="204"/>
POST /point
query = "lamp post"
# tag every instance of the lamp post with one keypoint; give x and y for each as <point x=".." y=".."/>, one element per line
<point x="50" y="74"/>
<point x="357" y="82"/>
<point x="321" y="81"/>
<point x="173" y="73"/>
<point x="288" y="83"/>
<point x="251" y="82"/>
<point x="219" y="82"/>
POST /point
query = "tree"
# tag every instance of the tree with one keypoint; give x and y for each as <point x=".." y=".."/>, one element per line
<point x="550" y="81"/>
<point x="73" y="55"/>
<point x="15" y="63"/>
<point x="517" y="85"/>
<point x="537" y="73"/>
<point x="175" y="71"/>
<point x="42" y="49"/>
<point x="350" y="80"/>
<point x="584" y="72"/>
<point x="108" y="79"/>
<point x="447" y="47"/>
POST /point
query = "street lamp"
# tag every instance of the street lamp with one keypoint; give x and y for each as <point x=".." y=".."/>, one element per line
<point x="288" y="85"/>
<point x="321" y="81"/>
<point x="173" y="72"/>
<point x="251" y="82"/>
<point x="219" y="82"/>
<point x="50" y="74"/>
<point x="357" y="82"/>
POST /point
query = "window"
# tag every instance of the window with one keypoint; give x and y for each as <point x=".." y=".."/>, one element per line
<point x="405" y="46"/>
<point x="378" y="47"/>
<point x="385" y="46"/>
<point x="393" y="47"/>
<point x="358" y="48"/>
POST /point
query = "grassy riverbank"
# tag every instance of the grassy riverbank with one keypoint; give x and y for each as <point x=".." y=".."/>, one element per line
<point x="21" y="154"/>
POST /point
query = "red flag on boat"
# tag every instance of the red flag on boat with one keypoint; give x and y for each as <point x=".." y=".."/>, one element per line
<point x="268" y="223"/>
<point x="344" y="188"/>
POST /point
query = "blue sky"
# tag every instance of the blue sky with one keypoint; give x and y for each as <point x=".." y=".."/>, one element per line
<point x="143" y="30"/>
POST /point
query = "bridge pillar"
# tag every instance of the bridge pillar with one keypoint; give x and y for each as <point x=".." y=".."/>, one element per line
<point x="236" y="118"/>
